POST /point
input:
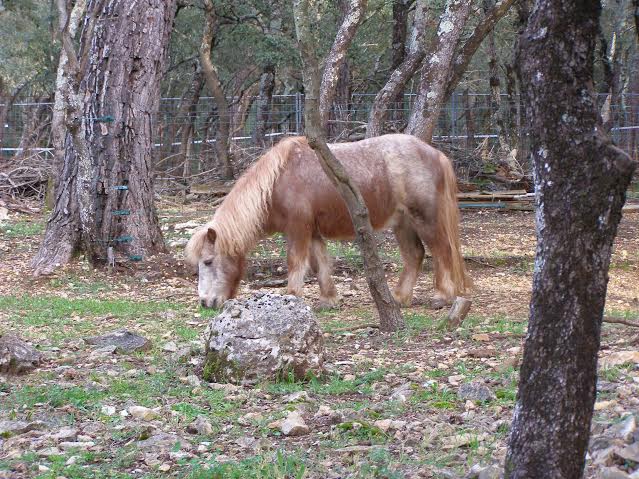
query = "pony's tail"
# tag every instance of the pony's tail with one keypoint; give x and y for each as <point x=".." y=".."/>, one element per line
<point x="448" y="229"/>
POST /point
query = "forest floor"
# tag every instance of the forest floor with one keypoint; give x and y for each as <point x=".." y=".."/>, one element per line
<point x="394" y="396"/>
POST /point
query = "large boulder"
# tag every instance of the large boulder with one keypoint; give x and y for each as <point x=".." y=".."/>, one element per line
<point x="267" y="336"/>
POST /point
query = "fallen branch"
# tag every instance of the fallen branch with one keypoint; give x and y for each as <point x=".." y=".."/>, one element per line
<point x="355" y="328"/>
<point x="616" y="320"/>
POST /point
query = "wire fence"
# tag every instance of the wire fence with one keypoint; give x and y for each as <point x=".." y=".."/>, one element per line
<point x="475" y="127"/>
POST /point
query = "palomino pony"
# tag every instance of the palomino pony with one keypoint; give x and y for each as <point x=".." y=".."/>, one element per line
<point x="407" y="185"/>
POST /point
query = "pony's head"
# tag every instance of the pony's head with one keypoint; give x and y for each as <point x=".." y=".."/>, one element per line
<point x="219" y="274"/>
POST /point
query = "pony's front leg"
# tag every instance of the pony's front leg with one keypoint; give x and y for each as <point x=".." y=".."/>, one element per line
<point x="298" y="252"/>
<point x="321" y="264"/>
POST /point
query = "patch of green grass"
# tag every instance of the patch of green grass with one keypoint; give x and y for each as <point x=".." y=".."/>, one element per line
<point x="279" y="466"/>
<point x="80" y="285"/>
<point x="330" y="386"/>
<point x="208" y="312"/>
<point x="435" y="397"/>
<point x="361" y="431"/>
<point x="60" y="317"/>
<point x="378" y="465"/>
<point x="53" y="395"/>
<point x="22" y="229"/>
<point x="186" y="332"/>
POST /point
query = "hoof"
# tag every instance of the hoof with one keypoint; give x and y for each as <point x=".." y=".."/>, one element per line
<point x="403" y="302"/>
<point x="439" y="303"/>
<point x="326" y="304"/>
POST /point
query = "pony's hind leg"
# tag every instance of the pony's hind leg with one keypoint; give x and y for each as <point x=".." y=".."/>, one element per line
<point x="442" y="259"/>
<point x="297" y="257"/>
<point x="321" y="265"/>
<point x="412" y="251"/>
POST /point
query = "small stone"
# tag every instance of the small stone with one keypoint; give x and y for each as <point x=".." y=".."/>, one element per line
<point x="17" y="356"/>
<point x="193" y="380"/>
<point x="72" y="460"/>
<point x="629" y="453"/>
<point x="349" y="377"/>
<point x="14" y="428"/>
<point x="250" y="418"/>
<point x="201" y="426"/>
<point x="402" y="393"/>
<point x="612" y="473"/>
<point x="619" y="357"/>
<point x="625" y="430"/>
<point x="165" y="467"/>
<point x="43" y="468"/>
<point x="601" y="405"/>
<point x="107" y="410"/>
<point x="67" y="445"/>
<point x="297" y="396"/>
<point x="65" y="434"/>
<point x="144" y="413"/>
<point x="49" y="451"/>
<point x="294" y="425"/>
<point x="475" y="391"/>
<point x="455" y="379"/>
<point x="122" y="340"/>
<point x="383" y="424"/>
<point x="170" y="347"/>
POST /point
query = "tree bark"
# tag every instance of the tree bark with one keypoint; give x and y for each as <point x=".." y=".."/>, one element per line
<point x="467" y="51"/>
<point x="305" y="12"/>
<point x="399" y="47"/>
<point x="436" y="72"/>
<point x="222" y="143"/>
<point x="105" y="195"/>
<point x="190" y="114"/>
<point x="337" y="56"/>
<point x="264" y="102"/>
<point x="401" y="75"/>
<point x="581" y="180"/>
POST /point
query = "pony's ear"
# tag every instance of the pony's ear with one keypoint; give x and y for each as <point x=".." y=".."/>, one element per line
<point x="211" y="235"/>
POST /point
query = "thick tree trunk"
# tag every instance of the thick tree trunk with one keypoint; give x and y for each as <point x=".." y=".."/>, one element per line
<point x="337" y="56"/>
<point x="264" y="102"/>
<point x="581" y="180"/>
<point x="305" y="11"/>
<point x="105" y="196"/>
<point x="222" y="143"/>
<point x="436" y="71"/>
<point x="467" y="51"/>
<point x="399" y="48"/>
<point x="401" y="74"/>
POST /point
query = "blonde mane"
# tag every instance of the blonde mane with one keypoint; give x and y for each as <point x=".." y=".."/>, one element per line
<point x="239" y="219"/>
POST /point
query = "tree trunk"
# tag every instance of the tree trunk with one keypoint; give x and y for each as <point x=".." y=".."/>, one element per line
<point x="264" y="103"/>
<point x="436" y="72"/>
<point x="469" y="119"/>
<point x="222" y="143"/>
<point x="401" y="75"/>
<point x="467" y="51"/>
<point x="34" y="125"/>
<point x="581" y="180"/>
<point x="188" y="111"/>
<point x="105" y="195"/>
<point x="58" y="131"/>
<point x="7" y="104"/>
<point x="337" y="56"/>
<point x="305" y="12"/>
<point x="399" y="48"/>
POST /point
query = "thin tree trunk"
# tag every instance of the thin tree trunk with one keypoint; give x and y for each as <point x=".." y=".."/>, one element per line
<point x="581" y="180"/>
<point x="105" y="197"/>
<point x="264" y="103"/>
<point x="436" y="72"/>
<point x="247" y="97"/>
<point x="467" y="51"/>
<point x="469" y="119"/>
<point x="390" y="317"/>
<point x="399" y="49"/>
<point x="337" y="56"/>
<point x="401" y="75"/>
<point x="222" y="143"/>
<point x="189" y="108"/>
<point x="8" y="101"/>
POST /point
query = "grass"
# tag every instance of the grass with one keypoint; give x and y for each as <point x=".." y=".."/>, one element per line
<point x="26" y="397"/>
<point x="21" y="229"/>
<point x="329" y="386"/>
<point x="435" y="397"/>
<point x="278" y="466"/>
<point x="60" y="318"/>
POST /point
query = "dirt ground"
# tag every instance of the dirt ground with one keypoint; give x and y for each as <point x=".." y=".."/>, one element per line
<point x="388" y="406"/>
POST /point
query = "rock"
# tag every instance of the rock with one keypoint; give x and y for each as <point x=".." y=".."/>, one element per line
<point x="170" y="347"/>
<point x="267" y="336"/>
<point x="124" y="341"/>
<point x="143" y="413"/>
<point x="250" y="418"/>
<point x="65" y="434"/>
<point x="612" y="473"/>
<point x="625" y="430"/>
<point x="107" y="410"/>
<point x="482" y="472"/>
<point x="601" y="405"/>
<point x="455" y="379"/>
<point x="293" y="425"/>
<point x="15" y="428"/>
<point x="475" y="391"/>
<point x="83" y="446"/>
<point x="629" y="453"/>
<point x="618" y="358"/>
<point x="4" y="213"/>
<point x="200" y="426"/>
<point x="297" y="396"/>
<point x="247" y="442"/>
<point x="16" y="356"/>
<point x="386" y="425"/>
<point x="163" y="441"/>
<point x="187" y="225"/>
<point x="402" y="393"/>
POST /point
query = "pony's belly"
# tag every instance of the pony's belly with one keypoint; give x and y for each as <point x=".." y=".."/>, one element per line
<point x="338" y="226"/>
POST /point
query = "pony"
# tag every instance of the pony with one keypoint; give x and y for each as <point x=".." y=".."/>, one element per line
<point x="407" y="185"/>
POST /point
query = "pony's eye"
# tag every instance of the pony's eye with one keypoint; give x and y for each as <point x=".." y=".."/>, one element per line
<point x="208" y="262"/>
